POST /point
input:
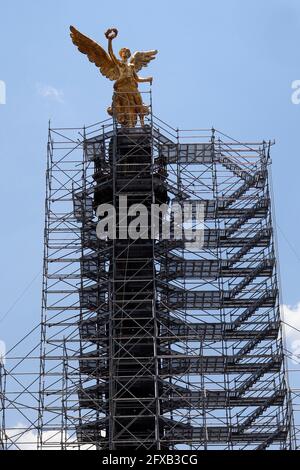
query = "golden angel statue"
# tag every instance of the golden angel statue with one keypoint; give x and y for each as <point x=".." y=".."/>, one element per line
<point x="127" y="104"/>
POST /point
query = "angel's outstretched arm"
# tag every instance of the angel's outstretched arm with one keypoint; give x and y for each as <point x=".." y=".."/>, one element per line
<point x="143" y="80"/>
<point x="111" y="52"/>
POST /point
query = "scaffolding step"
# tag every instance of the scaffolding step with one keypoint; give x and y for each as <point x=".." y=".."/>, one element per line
<point x="272" y="401"/>
<point x="261" y="335"/>
<point x="258" y="180"/>
<point x="260" y="270"/>
<point x="184" y="433"/>
<point x="258" y="374"/>
<point x="233" y="166"/>
<point x="93" y="365"/>
<point x="249" y="214"/>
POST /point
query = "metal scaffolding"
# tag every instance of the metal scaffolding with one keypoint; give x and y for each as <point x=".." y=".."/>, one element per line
<point x="151" y="343"/>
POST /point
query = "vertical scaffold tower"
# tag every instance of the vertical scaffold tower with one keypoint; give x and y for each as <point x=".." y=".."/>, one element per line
<point x="148" y="343"/>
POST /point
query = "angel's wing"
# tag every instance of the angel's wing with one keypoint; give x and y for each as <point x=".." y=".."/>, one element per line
<point x="142" y="59"/>
<point x="95" y="53"/>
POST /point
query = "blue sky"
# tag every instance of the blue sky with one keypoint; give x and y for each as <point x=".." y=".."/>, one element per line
<point x="227" y="64"/>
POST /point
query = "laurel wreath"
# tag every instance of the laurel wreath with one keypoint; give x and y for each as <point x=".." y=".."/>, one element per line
<point x="111" y="33"/>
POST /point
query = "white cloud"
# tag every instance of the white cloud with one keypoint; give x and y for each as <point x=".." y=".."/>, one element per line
<point x="2" y="92"/>
<point x="50" y="92"/>
<point x="2" y="352"/>
<point x="20" y="438"/>
<point x="291" y="316"/>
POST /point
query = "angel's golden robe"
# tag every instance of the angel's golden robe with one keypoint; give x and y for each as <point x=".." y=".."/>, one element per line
<point x="127" y="104"/>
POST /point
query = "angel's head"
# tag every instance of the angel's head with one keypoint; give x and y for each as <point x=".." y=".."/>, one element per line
<point x="124" y="54"/>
